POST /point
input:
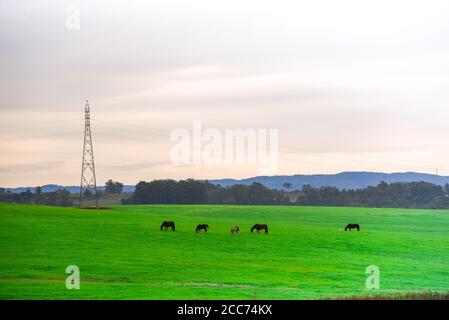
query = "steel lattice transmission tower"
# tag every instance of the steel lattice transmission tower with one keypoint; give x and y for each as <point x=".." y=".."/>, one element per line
<point x="88" y="178"/>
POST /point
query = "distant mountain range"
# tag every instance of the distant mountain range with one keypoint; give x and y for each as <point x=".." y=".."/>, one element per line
<point x="344" y="180"/>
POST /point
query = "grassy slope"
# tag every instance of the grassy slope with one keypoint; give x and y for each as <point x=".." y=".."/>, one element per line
<point x="122" y="254"/>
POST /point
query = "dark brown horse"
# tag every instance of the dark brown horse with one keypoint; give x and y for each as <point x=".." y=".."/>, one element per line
<point x="352" y="226"/>
<point x="235" y="229"/>
<point x="201" y="227"/>
<point x="259" y="227"/>
<point x="168" y="224"/>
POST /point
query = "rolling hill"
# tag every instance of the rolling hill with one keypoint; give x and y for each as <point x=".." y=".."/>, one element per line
<point x="343" y="180"/>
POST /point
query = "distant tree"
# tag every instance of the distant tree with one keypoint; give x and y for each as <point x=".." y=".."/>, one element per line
<point x="240" y="194"/>
<point x="63" y="198"/>
<point x="113" y="187"/>
<point x="382" y="185"/>
<point x="2" y="190"/>
<point x="287" y="185"/>
<point x="441" y="202"/>
<point x="28" y="196"/>
<point x="38" y="192"/>
<point x="109" y="186"/>
<point x="446" y="189"/>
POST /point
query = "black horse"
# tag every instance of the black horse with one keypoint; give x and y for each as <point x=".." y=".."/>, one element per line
<point x="352" y="226"/>
<point x="168" y="224"/>
<point x="201" y="227"/>
<point x="259" y="227"/>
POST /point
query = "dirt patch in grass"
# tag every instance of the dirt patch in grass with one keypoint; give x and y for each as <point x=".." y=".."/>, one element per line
<point x="427" y="295"/>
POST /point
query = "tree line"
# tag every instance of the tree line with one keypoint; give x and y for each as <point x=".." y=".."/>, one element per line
<point x="61" y="198"/>
<point x="394" y="195"/>
<point x="190" y="191"/>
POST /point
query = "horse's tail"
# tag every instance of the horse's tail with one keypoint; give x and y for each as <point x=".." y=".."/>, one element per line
<point x="358" y="227"/>
<point x="173" y="226"/>
<point x="266" y="229"/>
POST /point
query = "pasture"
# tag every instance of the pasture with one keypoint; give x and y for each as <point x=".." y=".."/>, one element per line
<point x="122" y="254"/>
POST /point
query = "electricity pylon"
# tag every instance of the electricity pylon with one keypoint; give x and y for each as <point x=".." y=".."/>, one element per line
<point x="88" y="179"/>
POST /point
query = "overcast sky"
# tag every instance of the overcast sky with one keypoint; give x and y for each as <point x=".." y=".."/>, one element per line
<point x="351" y="85"/>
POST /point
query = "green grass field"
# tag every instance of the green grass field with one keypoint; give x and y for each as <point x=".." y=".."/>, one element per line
<point x="122" y="254"/>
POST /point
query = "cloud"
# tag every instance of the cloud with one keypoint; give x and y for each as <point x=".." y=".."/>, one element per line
<point x="135" y="166"/>
<point x="23" y="168"/>
<point x="353" y="80"/>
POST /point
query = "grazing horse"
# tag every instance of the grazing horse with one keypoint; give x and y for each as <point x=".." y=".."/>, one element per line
<point x="201" y="227"/>
<point x="168" y="224"/>
<point x="259" y="227"/>
<point x="352" y="226"/>
<point x="235" y="229"/>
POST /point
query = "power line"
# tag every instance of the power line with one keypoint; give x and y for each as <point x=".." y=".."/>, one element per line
<point x="40" y="136"/>
<point x="39" y="128"/>
<point x="34" y="122"/>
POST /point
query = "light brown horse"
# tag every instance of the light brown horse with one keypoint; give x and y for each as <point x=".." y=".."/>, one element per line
<point x="235" y="229"/>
